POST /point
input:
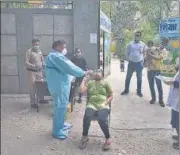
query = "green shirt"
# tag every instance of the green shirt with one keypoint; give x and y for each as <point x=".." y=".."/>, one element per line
<point x="98" y="93"/>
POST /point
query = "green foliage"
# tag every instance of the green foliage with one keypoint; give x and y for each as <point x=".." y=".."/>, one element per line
<point x="143" y="15"/>
<point x="149" y="31"/>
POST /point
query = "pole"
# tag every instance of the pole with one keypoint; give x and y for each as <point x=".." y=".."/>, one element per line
<point x="110" y="11"/>
<point x="161" y="9"/>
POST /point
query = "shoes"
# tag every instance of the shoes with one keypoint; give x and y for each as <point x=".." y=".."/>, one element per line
<point x="162" y="103"/>
<point x="125" y="92"/>
<point x="107" y="145"/>
<point x="152" y="101"/>
<point x="140" y="94"/>
<point x="176" y="145"/>
<point x="83" y="142"/>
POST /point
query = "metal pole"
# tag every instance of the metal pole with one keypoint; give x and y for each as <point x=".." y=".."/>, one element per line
<point x="110" y="11"/>
<point x="161" y="9"/>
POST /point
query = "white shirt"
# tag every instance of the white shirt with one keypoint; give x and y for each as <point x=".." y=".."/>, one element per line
<point x="136" y="51"/>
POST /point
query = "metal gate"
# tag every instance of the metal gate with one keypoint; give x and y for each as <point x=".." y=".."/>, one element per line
<point x="18" y="27"/>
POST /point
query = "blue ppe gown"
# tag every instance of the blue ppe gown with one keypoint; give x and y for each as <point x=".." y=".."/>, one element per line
<point x="59" y="70"/>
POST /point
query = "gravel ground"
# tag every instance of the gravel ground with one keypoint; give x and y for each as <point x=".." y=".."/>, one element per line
<point x="137" y="128"/>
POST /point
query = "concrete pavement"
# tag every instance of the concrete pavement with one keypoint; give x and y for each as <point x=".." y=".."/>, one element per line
<point x="137" y="128"/>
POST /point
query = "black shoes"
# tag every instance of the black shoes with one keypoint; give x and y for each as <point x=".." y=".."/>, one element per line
<point x="161" y="103"/>
<point x="125" y="92"/>
<point x="140" y="94"/>
<point x="176" y="145"/>
<point x="152" y="101"/>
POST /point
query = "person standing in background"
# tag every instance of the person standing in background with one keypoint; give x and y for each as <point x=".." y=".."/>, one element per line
<point x="34" y="63"/>
<point x="136" y="50"/>
<point x="154" y="61"/>
<point x="122" y="65"/>
<point x="79" y="61"/>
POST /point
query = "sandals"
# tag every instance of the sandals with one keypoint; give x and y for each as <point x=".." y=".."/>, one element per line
<point x="107" y="146"/>
<point x="83" y="142"/>
<point x="176" y="145"/>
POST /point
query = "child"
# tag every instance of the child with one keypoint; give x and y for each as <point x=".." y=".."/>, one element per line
<point x="79" y="61"/>
<point x="122" y="65"/>
<point x="173" y="102"/>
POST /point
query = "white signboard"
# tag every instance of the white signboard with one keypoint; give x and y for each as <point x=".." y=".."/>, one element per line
<point x="93" y="38"/>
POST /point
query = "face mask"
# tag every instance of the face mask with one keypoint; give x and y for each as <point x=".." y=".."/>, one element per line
<point x="36" y="47"/>
<point x="64" y="52"/>
<point x="78" y="55"/>
<point x="97" y="78"/>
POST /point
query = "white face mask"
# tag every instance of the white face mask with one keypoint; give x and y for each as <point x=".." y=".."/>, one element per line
<point x="36" y="47"/>
<point x="64" y="52"/>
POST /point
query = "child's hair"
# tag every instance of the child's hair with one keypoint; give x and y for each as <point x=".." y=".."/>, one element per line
<point x="77" y="50"/>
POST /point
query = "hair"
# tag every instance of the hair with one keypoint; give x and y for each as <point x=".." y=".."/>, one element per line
<point x="58" y="43"/>
<point x="35" y="41"/>
<point x="150" y="42"/>
<point x="139" y="32"/>
<point x="77" y="49"/>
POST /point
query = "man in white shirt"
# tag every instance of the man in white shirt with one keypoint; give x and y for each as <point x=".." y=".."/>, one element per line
<point x="136" y="50"/>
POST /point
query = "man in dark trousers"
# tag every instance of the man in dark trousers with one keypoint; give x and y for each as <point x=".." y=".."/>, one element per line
<point x="79" y="61"/>
<point x="136" y="50"/>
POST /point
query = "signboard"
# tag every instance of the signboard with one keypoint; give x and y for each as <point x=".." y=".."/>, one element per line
<point x="93" y="38"/>
<point x="169" y="28"/>
<point x="105" y="22"/>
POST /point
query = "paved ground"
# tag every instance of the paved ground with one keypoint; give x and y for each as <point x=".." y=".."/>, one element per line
<point x="137" y="128"/>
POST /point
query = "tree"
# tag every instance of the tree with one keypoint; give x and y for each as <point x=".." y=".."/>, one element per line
<point x="126" y="17"/>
